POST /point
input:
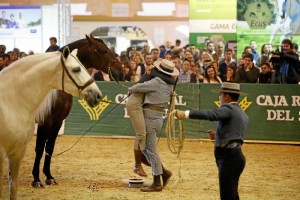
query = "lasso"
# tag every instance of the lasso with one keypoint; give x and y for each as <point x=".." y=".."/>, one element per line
<point x="175" y="138"/>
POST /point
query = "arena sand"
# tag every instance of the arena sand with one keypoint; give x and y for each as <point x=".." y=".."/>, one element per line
<point x="96" y="167"/>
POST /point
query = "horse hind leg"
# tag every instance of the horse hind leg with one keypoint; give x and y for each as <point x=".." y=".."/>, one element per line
<point x="39" y="150"/>
<point x="50" y="143"/>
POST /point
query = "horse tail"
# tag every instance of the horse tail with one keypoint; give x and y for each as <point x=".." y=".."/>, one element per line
<point x="45" y="107"/>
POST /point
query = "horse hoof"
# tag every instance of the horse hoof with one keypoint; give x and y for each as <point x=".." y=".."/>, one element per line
<point x="37" y="184"/>
<point x="51" y="181"/>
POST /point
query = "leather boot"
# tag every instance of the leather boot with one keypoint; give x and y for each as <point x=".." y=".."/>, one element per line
<point x="145" y="161"/>
<point x="138" y="169"/>
<point x="155" y="186"/>
<point x="166" y="177"/>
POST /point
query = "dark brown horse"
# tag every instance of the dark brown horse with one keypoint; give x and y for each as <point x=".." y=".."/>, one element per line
<point x="93" y="53"/>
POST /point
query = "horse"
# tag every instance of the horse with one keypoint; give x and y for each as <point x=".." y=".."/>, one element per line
<point x="22" y="95"/>
<point x="93" y="53"/>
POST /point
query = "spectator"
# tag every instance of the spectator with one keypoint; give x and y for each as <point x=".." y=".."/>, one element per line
<point x="219" y="55"/>
<point x="196" y="76"/>
<point x="265" y="54"/>
<point x="145" y="50"/>
<point x="168" y="55"/>
<point x="195" y="52"/>
<point x="211" y="75"/>
<point x="178" y="43"/>
<point x="248" y="73"/>
<point x="155" y="54"/>
<point x="162" y="51"/>
<point x="224" y="64"/>
<point x="2" y="49"/>
<point x="2" y="62"/>
<point x="286" y="64"/>
<point x="205" y="61"/>
<point x="132" y="53"/>
<point x="230" y="74"/>
<point x="176" y="60"/>
<point x="210" y="48"/>
<point x="148" y="65"/>
<point x="135" y="73"/>
<point x="185" y="74"/>
<point x="265" y="75"/>
<point x="53" y="45"/>
<point x="256" y="55"/>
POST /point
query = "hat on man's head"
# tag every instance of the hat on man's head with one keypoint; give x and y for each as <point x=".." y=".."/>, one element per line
<point x="166" y="66"/>
<point x="229" y="87"/>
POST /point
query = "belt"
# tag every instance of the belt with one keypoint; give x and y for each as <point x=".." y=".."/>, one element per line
<point x="233" y="144"/>
<point x="155" y="108"/>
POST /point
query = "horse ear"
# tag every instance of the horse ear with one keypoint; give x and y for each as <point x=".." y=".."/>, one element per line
<point x="90" y="39"/>
<point x="66" y="52"/>
<point x="91" y="36"/>
<point x="87" y="37"/>
<point x="74" y="52"/>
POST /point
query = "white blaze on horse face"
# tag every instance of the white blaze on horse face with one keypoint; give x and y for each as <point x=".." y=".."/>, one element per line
<point x="78" y="72"/>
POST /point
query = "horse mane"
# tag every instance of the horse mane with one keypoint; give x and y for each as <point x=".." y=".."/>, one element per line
<point x="80" y="41"/>
<point x="44" y="108"/>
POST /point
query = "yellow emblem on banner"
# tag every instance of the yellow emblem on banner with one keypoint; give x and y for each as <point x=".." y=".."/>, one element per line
<point x="244" y="104"/>
<point x="95" y="112"/>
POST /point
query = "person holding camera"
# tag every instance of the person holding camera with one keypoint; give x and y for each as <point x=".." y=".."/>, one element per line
<point x="286" y="64"/>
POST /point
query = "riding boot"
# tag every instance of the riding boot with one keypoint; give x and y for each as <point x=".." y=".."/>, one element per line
<point x="155" y="186"/>
<point x="145" y="160"/>
<point x="166" y="177"/>
<point x="138" y="169"/>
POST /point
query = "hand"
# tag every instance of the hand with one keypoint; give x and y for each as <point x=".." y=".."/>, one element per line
<point x="180" y="114"/>
<point x="211" y="134"/>
<point x="173" y="93"/>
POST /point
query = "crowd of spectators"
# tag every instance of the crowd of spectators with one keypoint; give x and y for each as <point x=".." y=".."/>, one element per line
<point x="215" y="63"/>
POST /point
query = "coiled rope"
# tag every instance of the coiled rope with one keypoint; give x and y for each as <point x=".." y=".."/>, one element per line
<point x="175" y="134"/>
<point x="175" y="137"/>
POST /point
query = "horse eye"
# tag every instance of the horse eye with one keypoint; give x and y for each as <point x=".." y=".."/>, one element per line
<point x="76" y="70"/>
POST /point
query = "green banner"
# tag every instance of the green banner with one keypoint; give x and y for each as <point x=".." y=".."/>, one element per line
<point x="274" y="111"/>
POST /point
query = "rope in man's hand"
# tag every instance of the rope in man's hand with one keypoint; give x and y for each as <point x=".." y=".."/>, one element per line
<point x="175" y="137"/>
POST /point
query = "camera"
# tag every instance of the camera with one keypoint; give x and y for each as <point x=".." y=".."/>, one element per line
<point x="276" y="58"/>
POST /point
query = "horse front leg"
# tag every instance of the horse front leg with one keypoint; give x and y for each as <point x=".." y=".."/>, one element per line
<point x="50" y="143"/>
<point x="1" y="172"/>
<point x="39" y="150"/>
<point x="14" y="163"/>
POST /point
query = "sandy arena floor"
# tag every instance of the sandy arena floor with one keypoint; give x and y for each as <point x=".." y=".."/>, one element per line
<point x="95" y="168"/>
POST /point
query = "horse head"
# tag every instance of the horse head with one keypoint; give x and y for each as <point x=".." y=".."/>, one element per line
<point x="77" y="80"/>
<point x="111" y="65"/>
<point x="93" y="53"/>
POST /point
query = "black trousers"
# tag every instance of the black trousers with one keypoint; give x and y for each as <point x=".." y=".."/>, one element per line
<point x="231" y="163"/>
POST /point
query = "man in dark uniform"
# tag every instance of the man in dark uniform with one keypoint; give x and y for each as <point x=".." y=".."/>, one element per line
<point x="229" y="136"/>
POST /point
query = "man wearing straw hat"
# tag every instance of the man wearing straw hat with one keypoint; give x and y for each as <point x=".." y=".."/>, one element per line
<point x="231" y="127"/>
<point x="157" y="94"/>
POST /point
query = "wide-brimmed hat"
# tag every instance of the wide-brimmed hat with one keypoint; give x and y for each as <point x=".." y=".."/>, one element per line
<point x="166" y="66"/>
<point x="229" y="87"/>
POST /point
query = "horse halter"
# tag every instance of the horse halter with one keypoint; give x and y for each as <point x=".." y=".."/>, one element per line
<point x="79" y="87"/>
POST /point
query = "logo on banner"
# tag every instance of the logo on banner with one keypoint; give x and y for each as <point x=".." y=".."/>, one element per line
<point x="244" y="104"/>
<point x="95" y="112"/>
<point x="258" y="15"/>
